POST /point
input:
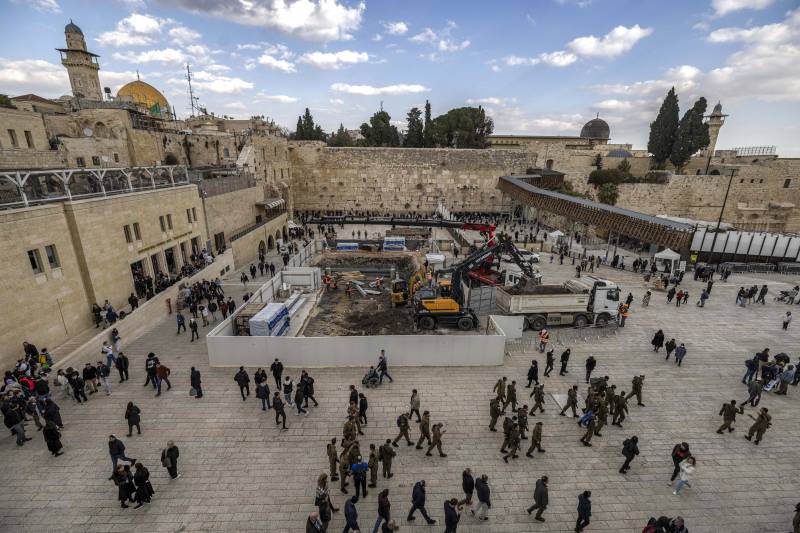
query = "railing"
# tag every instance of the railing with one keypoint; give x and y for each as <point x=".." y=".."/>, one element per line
<point x="241" y="232"/>
<point x="224" y="184"/>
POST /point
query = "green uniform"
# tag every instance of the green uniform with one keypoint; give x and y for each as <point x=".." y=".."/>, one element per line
<point x="513" y="443"/>
<point x="332" y="459"/>
<point x="403" y="422"/>
<point x="424" y="430"/>
<point x="572" y="402"/>
<point x="728" y="413"/>
<point x="590" y="427"/>
<point x="760" y="426"/>
<point x="500" y="388"/>
<point x="436" y="441"/>
<point x="620" y="409"/>
<point x="373" y="468"/>
<point x="344" y="470"/>
<point x="494" y="412"/>
<point x="602" y="417"/>
<point x="536" y="440"/>
<point x="636" y="385"/>
<point x="511" y="397"/>
<point x="522" y="420"/>
<point x="538" y="399"/>
<point x="387" y="453"/>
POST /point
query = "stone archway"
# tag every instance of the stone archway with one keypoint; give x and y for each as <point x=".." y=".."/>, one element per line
<point x="170" y="159"/>
<point x="262" y="248"/>
<point x="285" y="234"/>
<point x="270" y="243"/>
<point x="278" y="235"/>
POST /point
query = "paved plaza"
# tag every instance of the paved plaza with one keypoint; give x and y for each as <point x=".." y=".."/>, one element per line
<point x="241" y="473"/>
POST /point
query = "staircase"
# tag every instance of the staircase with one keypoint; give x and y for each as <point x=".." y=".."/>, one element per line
<point x="244" y="156"/>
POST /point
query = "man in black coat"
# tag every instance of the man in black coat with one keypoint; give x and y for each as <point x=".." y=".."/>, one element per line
<point x="484" y="498"/>
<point x="451" y="516"/>
<point x="122" y="366"/>
<point x="533" y="374"/>
<point x="418" y="502"/>
<point x="195" y="382"/>
<point x="584" y="511"/>
<point x="277" y="372"/>
<point x="540" y="499"/>
<point x="243" y="380"/>
<point x="630" y="449"/>
<point x="116" y="449"/>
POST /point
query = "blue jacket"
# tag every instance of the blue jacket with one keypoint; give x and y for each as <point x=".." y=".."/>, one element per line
<point x="350" y="514"/>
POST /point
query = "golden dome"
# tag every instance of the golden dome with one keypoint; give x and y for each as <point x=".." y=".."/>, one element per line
<point x="145" y="95"/>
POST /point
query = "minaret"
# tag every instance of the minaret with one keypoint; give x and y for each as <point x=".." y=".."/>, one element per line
<point x="81" y="65"/>
<point x="715" y="121"/>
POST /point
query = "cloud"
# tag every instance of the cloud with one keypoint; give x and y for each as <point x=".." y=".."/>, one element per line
<point x="425" y="36"/>
<point x="315" y="20"/>
<point x="280" y="98"/>
<point x="369" y="90"/>
<point x="683" y="78"/>
<point x="43" y="6"/>
<point x="579" y="3"/>
<point x="182" y="36"/>
<point x="614" y="43"/>
<point x="559" y="58"/>
<point x="377" y="37"/>
<point x="490" y="100"/>
<point x="396" y="28"/>
<point x="441" y="40"/>
<point x="277" y="64"/>
<point x="208" y="81"/>
<point x="134" y="30"/>
<point x="723" y="7"/>
<point x="334" y="60"/>
<point x="446" y="45"/>
<point x="33" y="76"/>
<point x="336" y="101"/>
<point x="166" y="55"/>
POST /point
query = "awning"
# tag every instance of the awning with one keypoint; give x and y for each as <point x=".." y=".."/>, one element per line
<point x="271" y="203"/>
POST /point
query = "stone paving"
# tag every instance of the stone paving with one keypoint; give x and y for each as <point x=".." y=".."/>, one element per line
<point x="240" y="473"/>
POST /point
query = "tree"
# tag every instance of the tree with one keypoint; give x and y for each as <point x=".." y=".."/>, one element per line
<point x="608" y="193"/>
<point x="663" y="130"/>
<point x="692" y="135"/>
<point x="428" y="134"/>
<point x="5" y="101"/>
<point x="463" y="127"/>
<point x="340" y="138"/>
<point x="380" y="131"/>
<point x="607" y="175"/>
<point x="598" y="161"/>
<point x="299" y="134"/>
<point x="624" y="168"/>
<point x="414" y="129"/>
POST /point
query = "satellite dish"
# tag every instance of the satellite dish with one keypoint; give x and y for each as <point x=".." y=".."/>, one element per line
<point x="87" y="132"/>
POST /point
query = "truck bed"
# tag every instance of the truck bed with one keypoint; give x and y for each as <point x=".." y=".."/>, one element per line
<point x="538" y="289"/>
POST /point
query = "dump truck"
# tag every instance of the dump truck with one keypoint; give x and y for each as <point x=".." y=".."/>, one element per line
<point x="577" y="302"/>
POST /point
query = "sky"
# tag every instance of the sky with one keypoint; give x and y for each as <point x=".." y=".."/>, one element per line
<point x="540" y="67"/>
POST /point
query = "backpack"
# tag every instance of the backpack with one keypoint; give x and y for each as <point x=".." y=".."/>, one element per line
<point x="399" y="421"/>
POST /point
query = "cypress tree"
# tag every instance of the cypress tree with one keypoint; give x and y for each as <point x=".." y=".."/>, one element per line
<point x="692" y="135"/>
<point x="663" y="130"/>
<point x="427" y="134"/>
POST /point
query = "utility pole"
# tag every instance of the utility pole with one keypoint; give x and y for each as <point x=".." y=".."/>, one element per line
<point x="191" y="94"/>
<point x="719" y="220"/>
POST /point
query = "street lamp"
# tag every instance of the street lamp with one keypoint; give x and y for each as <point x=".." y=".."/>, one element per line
<point x="719" y="220"/>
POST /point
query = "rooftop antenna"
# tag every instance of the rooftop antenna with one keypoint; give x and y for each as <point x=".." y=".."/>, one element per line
<point x="381" y="105"/>
<point x="192" y="98"/>
<point x="137" y="74"/>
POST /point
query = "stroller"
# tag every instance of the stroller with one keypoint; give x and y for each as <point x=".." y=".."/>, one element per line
<point x="371" y="378"/>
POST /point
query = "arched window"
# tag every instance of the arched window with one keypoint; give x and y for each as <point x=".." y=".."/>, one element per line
<point x="549" y="164"/>
<point x="226" y="152"/>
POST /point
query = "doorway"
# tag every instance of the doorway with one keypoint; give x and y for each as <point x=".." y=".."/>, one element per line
<point x="156" y="264"/>
<point x="169" y="257"/>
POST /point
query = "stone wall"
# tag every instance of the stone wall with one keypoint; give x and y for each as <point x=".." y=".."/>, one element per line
<point x="95" y="152"/>
<point x="401" y="179"/>
<point x="245" y="249"/>
<point x="19" y="122"/>
<point x="229" y="212"/>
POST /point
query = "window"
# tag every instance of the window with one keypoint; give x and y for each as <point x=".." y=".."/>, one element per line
<point x="741" y="180"/>
<point x="549" y="164"/>
<point x="787" y="183"/>
<point x="169" y="221"/>
<point x="189" y="216"/>
<point x="161" y="221"/>
<point x="226" y="152"/>
<point x="127" y="230"/>
<point x="116" y="157"/>
<point x="52" y="256"/>
<point x="96" y="160"/>
<point x="136" y="232"/>
<point x="13" y="136"/>
<point x="761" y="180"/>
<point x="29" y="139"/>
<point x="81" y="162"/>
<point x="36" y="261"/>
<point x="194" y="214"/>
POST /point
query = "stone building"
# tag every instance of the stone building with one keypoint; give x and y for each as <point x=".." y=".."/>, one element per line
<point x="82" y="66"/>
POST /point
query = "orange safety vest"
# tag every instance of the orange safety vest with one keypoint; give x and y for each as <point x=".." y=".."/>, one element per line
<point x="544" y="337"/>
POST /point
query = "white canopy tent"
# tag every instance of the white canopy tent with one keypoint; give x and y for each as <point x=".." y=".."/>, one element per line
<point x="668" y="260"/>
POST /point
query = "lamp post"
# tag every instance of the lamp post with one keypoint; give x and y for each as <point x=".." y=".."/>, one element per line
<point x="722" y="210"/>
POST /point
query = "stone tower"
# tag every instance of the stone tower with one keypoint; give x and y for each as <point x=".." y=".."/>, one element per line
<point x="715" y="121"/>
<point x="81" y="65"/>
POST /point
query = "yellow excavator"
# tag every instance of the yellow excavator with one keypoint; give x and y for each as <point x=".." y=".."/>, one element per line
<point x="403" y="290"/>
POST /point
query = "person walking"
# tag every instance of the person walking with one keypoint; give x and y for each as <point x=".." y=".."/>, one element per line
<point x="591" y="363"/>
<point x="243" y="380"/>
<point x="467" y="485"/>
<point x="760" y="425"/>
<point x="298" y="400"/>
<point x="533" y="374"/>
<point x="658" y="341"/>
<point x="358" y="470"/>
<point x="418" y="503"/>
<point x="536" y="440"/>
<point x="584" y="510"/>
<point x="262" y="393"/>
<point x="679" y="453"/>
<point x="386" y="454"/>
<point x="277" y="372"/>
<point x="124" y="481"/>
<point x="451" y="516"/>
<point x="402" y="424"/>
<point x="351" y="515"/>
<point x="169" y="459"/>
<point x="144" y="489"/>
<point x="196" y="383"/>
<point x="52" y="437"/>
<point x="372" y="463"/>
<point x="323" y="501"/>
<point x="132" y="415"/>
<point x="680" y="353"/>
<point x="384" y="510"/>
<point x="52" y="413"/>
<point x="687" y="467"/>
<point x="436" y="441"/>
<point x="122" y="364"/>
<point x="564" y="360"/>
<point x="786" y="319"/>
<point x="181" y="321"/>
<point x="630" y="449"/>
<point x="383" y="367"/>
<point x="540" y="499"/>
<point x="424" y="430"/>
<point x="288" y="387"/>
<point x="116" y="449"/>
<point x="362" y="408"/>
<point x="572" y="402"/>
<point x="193" y="329"/>
<point x="280" y="413"/>
<point x="162" y="376"/>
<point x="414" y="404"/>
<point x="728" y="413"/>
<point x="484" y="498"/>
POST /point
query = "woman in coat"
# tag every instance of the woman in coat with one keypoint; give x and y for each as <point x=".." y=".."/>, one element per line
<point x="323" y="501"/>
<point x="467" y="485"/>
<point x="53" y="438"/>
<point x="124" y="480"/>
<point x="53" y="413"/>
<point x="169" y="459"/>
<point x="658" y="341"/>
<point x="144" y="490"/>
<point x="687" y="467"/>
<point x="132" y="415"/>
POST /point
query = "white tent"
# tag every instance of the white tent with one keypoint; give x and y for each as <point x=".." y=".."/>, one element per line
<point x="668" y="258"/>
<point x="554" y="236"/>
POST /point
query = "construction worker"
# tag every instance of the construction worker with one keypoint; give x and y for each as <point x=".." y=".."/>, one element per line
<point x="436" y="441"/>
<point x="572" y="401"/>
<point x="536" y="440"/>
<point x="544" y="338"/>
<point x="424" y="429"/>
<point x="494" y="412"/>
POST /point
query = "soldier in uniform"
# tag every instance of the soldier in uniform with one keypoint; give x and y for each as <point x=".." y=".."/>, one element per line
<point x="513" y="443"/>
<point x="500" y="388"/>
<point x="424" y="429"/>
<point x="760" y="426"/>
<point x="602" y="417"/>
<point x="591" y="425"/>
<point x="637" y="382"/>
<point x="611" y="393"/>
<point x="508" y="423"/>
<point x="522" y="420"/>
<point x="494" y="412"/>
<point x="344" y="470"/>
<point x="572" y="401"/>
<point x="511" y="396"/>
<point x="352" y="414"/>
<point x="536" y="439"/>
<point x="620" y="409"/>
<point x="402" y="423"/>
<point x="353" y="453"/>
<point x="728" y="413"/>
<point x="349" y="431"/>
<point x="385" y="455"/>
<point x="373" y="466"/>
<point x="436" y="441"/>
<point x="538" y="399"/>
<point x="332" y="459"/>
